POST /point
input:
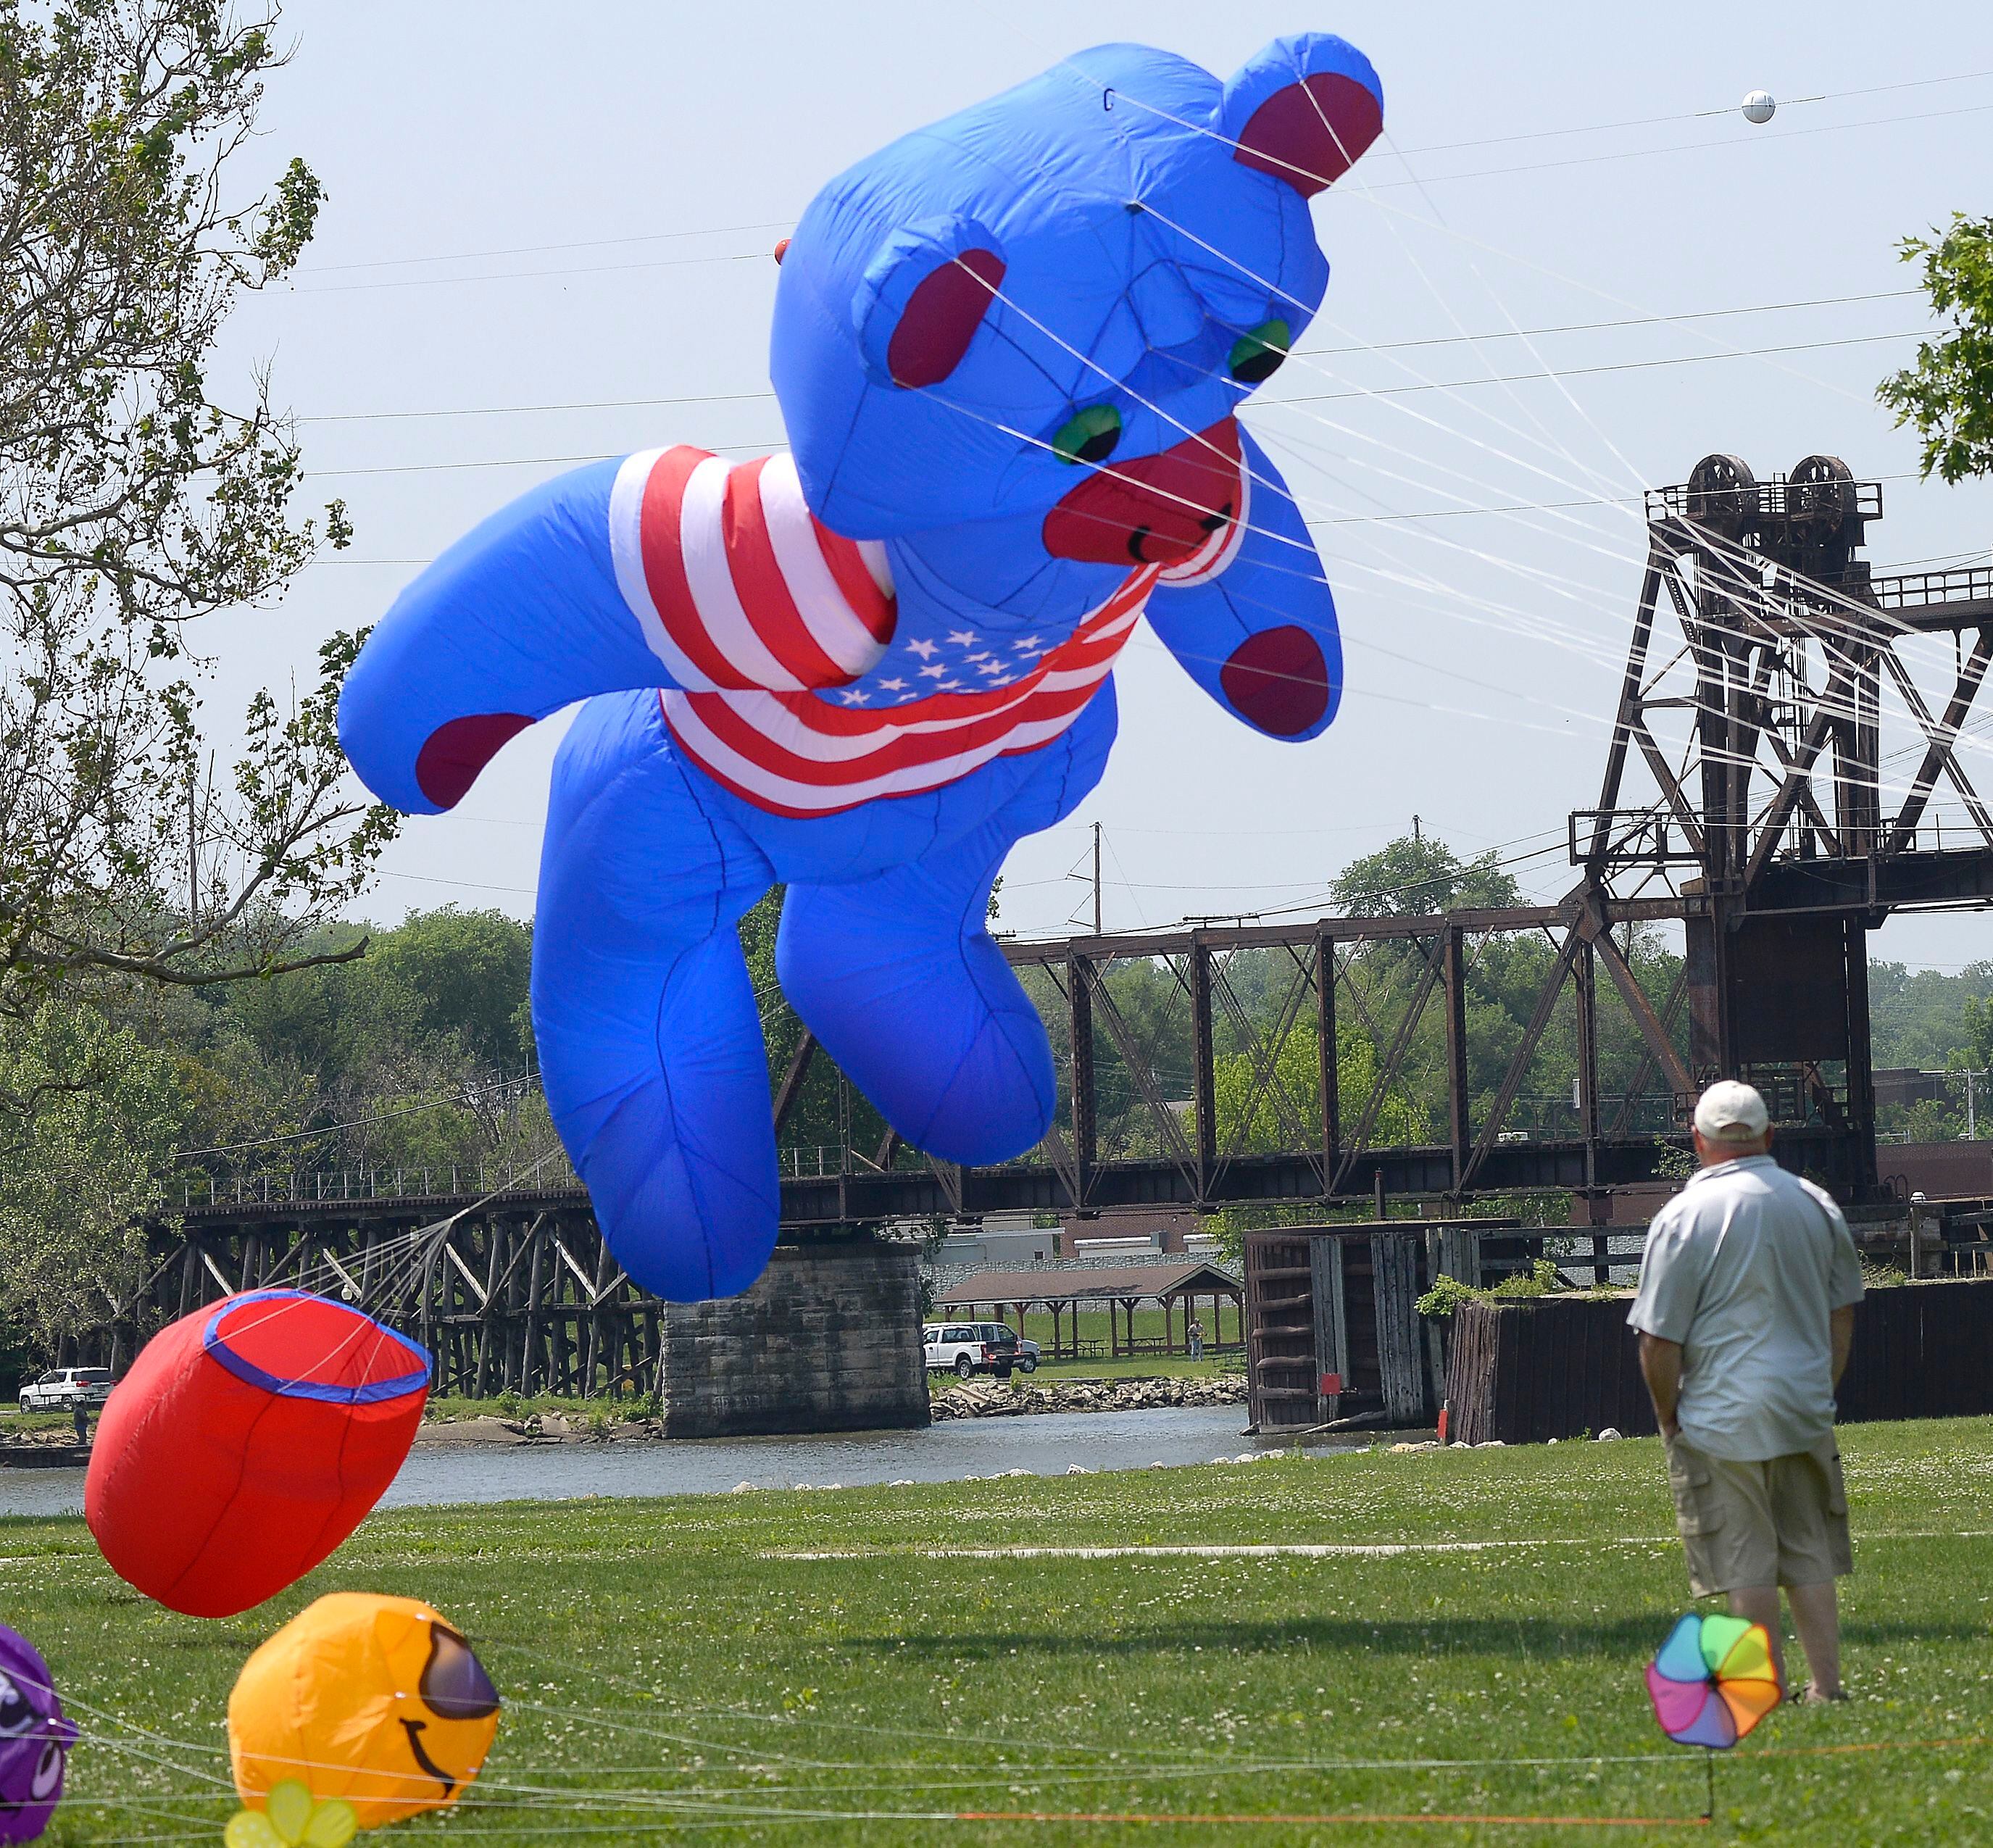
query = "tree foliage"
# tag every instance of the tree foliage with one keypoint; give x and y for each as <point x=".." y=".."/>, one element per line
<point x="1415" y="876"/>
<point x="1926" y="1019"/>
<point x="133" y="503"/>
<point x="71" y="1191"/>
<point x="1945" y="393"/>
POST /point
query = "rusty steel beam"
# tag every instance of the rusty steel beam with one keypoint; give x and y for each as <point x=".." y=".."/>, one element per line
<point x="1512" y="1079"/>
<point x="1387" y="1074"/>
<point x="1453" y="945"/>
<point x="1328" y="1069"/>
<point x="1122" y="946"/>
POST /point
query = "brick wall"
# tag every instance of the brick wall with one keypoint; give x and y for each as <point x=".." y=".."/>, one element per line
<point x="828" y="1340"/>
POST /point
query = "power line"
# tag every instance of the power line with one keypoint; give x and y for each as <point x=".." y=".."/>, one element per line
<point x="598" y="403"/>
<point x="1727" y="141"/>
<point x="1314" y="398"/>
<point x="1638" y="320"/>
<point x="1490" y="141"/>
<point x="522" y="462"/>
<point x="1433" y="513"/>
<point x="1693" y="115"/>
<point x="467" y="885"/>
<point x="530" y="275"/>
<point x="1305" y="352"/>
<point x="441" y="1101"/>
<point x="1733" y="141"/>
<point x="1515" y="378"/>
<point x="537" y="250"/>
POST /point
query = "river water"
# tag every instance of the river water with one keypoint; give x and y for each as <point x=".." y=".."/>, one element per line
<point x="950" y="1452"/>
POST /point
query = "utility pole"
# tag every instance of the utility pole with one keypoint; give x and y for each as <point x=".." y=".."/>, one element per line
<point x="1096" y="879"/>
<point x="1417" y="839"/>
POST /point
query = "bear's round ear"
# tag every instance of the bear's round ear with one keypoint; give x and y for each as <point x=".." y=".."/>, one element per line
<point x="1302" y="110"/>
<point x="923" y="297"/>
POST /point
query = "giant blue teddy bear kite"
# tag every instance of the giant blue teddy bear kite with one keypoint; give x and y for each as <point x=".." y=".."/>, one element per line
<point x="1008" y="350"/>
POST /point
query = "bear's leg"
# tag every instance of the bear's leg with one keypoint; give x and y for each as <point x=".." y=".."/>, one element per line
<point x="649" y="1038"/>
<point x="897" y="976"/>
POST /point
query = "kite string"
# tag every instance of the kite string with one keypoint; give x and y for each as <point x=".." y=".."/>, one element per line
<point x="1709" y="623"/>
<point x="1793" y="612"/>
<point x="1860" y="610"/>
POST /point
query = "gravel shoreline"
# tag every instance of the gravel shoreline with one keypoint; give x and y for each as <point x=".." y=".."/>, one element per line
<point x="974" y="1400"/>
<point x="971" y="1399"/>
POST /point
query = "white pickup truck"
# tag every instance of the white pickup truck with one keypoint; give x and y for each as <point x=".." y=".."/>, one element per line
<point x="62" y="1387"/>
<point x="965" y="1348"/>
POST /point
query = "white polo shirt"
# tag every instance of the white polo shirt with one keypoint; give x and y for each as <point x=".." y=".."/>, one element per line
<point x="1743" y="1267"/>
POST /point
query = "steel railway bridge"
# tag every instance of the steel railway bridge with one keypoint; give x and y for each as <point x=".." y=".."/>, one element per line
<point x="1748" y="801"/>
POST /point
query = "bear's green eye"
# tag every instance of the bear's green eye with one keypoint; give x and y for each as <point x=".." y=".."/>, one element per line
<point x="1257" y="355"/>
<point x="1090" y="436"/>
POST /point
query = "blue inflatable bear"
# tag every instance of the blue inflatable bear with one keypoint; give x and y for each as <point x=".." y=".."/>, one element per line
<point x="1008" y="350"/>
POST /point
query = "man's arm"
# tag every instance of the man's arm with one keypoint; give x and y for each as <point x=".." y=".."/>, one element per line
<point x="1661" y="1365"/>
<point x="1840" y="1325"/>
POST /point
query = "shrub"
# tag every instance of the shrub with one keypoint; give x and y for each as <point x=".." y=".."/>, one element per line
<point x="1446" y="1295"/>
<point x="1539" y="1280"/>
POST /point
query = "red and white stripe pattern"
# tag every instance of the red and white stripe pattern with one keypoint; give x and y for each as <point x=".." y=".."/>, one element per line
<point x="793" y="754"/>
<point x="735" y="583"/>
<point x="755" y="607"/>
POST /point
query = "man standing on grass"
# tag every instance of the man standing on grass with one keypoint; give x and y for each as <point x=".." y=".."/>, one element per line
<point x="1746" y="1310"/>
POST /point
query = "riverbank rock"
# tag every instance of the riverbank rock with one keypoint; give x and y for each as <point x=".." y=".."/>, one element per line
<point x="471" y="1431"/>
<point x="974" y="1400"/>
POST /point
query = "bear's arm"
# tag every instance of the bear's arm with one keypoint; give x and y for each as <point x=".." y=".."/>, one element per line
<point x="638" y="573"/>
<point x="1260" y="637"/>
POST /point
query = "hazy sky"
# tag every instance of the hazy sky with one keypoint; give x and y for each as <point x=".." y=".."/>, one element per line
<point x="533" y="207"/>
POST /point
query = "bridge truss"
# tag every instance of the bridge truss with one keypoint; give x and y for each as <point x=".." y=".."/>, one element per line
<point x="1750" y="800"/>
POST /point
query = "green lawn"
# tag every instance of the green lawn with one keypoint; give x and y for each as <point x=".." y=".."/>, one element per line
<point x="672" y="1675"/>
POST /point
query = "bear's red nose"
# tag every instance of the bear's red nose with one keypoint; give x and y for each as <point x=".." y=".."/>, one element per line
<point x="1151" y="510"/>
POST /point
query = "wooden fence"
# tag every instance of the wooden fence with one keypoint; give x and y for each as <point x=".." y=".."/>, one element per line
<point x="1563" y="1366"/>
<point x="1332" y="1327"/>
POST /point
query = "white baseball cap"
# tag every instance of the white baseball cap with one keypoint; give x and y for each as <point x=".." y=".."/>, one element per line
<point x="1731" y="1112"/>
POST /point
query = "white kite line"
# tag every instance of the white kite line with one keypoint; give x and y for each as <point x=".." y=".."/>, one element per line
<point x="1298" y="1549"/>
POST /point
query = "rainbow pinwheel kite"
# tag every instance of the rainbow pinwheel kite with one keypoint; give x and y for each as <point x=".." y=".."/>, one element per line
<point x="1712" y="1680"/>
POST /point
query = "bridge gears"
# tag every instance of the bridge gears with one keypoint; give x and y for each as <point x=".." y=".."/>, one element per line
<point x="1723" y="495"/>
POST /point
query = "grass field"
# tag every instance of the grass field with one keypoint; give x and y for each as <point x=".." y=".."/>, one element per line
<point x="675" y="1671"/>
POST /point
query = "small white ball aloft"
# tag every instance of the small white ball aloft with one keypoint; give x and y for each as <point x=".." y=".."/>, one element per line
<point x="1759" y="107"/>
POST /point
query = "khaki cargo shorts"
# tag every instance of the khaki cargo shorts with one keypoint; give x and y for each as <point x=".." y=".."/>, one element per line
<point x="1783" y="1522"/>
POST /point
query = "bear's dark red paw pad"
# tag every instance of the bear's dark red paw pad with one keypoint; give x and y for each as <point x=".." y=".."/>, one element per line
<point x="1278" y="681"/>
<point x="448" y="764"/>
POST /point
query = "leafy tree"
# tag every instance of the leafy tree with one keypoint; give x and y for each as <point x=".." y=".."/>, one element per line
<point x="1945" y="394"/>
<point x="1928" y="1018"/>
<point x="72" y="1253"/>
<point x="1250" y="1125"/>
<point x="1415" y="876"/>
<point x="133" y="503"/>
<point x="465" y="975"/>
<point x="1976" y="1019"/>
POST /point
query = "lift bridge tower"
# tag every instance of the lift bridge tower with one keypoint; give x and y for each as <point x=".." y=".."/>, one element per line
<point x="1791" y="757"/>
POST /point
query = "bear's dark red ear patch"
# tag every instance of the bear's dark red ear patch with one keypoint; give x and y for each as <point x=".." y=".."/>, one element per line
<point x="449" y="762"/>
<point x="940" y="317"/>
<point x="1278" y="681"/>
<point x="1311" y="133"/>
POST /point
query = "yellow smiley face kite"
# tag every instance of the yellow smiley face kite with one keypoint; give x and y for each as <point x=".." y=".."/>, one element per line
<point x="378" y="1701"/>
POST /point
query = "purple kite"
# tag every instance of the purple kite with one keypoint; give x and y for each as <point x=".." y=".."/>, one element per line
<point x="35" y="1740"/>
